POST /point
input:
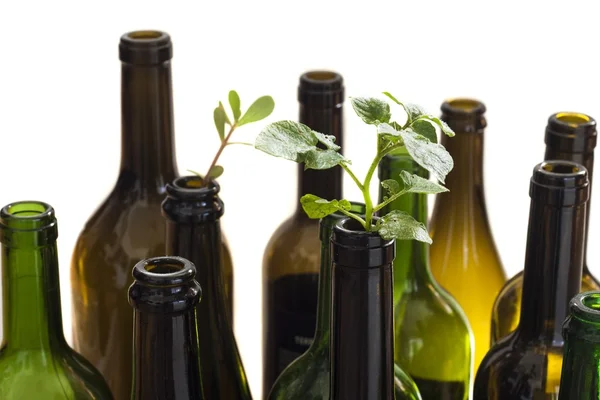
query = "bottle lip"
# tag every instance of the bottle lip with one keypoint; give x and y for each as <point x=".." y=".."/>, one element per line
<point x="356" y="248"/>
<point x="190" y="187"/>
<point x="321" y="88"/>
<point x="145" y="47"/>
<point x="560" y="183"/>
<point x="569" y="131"/>
<point x="326" y="224"/>
<point x="164" y="271"/>
<point x="464" y="115"/>
<point x="27" y="215"/>
<point x="586" y="306"/>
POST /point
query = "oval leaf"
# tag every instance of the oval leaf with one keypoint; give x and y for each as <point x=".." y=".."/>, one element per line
<point x="443" y="126"/>
<point x="416" y="184"/>
<point x="297" y="142"/>
<point x="220" y="117"/>
<point x="260" y="109"/>
<point x="215" y="172"/>
<point x="401" y="226"/>
<point x="425" y="128"/>
<point x="431" y="156"/>
<point x="317" y="208"/>
<point x="371" y="110"/>
<point x="391" y="186"/>
<point x="235" y="104"/>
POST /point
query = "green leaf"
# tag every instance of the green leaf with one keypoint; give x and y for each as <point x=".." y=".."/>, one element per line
<point x="416" y="184"/>
<point x="235" y="104"/>
<point x="297" y="142"/>
<point x="443" y="126"/>
<point x="414" y="111"/>
<point x="401" y="226"/>
<point x="391" y="186"/>
<point x="317" y="208"/>
<point x="395" y="100"/>
<point x="371" y="110"/>
<point x="215" y="172"/>
<point x="425" y="128"/>
<point x="220" y="117"/>
<point x="260" y="109"/>
<point x="431" y="156"/>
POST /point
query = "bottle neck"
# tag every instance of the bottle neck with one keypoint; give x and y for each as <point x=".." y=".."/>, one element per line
<point x="147" y="138"/>
<point x="587" y="160"/>
<point x="32" y="314"/>
<point x="553" y="265"/>
<point x="411" y="265"/>
<point x="166" y="357"/>
<point x="362" y="365"/>
<point x="326" y="183"/>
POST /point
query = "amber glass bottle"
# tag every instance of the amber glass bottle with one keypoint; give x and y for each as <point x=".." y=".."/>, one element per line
<point x="464" y="259"/>
<point x="571" y="137"/>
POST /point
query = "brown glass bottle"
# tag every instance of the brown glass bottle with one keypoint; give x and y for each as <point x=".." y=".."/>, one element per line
<point x="128" y="225"/>
<point x="571" y="137"/>
<point x="291" y="261"/>
<point x="526" y="364"/>
<point x="464" y="258"/>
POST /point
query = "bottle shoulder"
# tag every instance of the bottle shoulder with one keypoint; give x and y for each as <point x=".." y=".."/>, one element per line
<point x="35" y="373"/>
<point x="306" y="378"/>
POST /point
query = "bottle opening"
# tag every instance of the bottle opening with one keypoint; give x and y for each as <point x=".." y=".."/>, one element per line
<point x="189" y="182"/>
<point x="592" y="301"/>
<point x="586" y="306"/>
<point x="573" y="119"/>
<point x="321" y="75"/>
<point x="463" y="106"/>
<point x="164" y="271"/>
<point x="163" y="268"/>
<point x="145" y="35"/>
<point x="27" y="209"/>
<point x="558" y="168"/>
<point x="320" y="88"/>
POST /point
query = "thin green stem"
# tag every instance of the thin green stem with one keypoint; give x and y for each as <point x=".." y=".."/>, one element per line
<point x="367" y="192"/>
<point x="244" y="143"/>
<point x="356" y="217"/>
<point x="354" y="178"/>
<point x="388" y="201"/>
<point x="221" y="148"/>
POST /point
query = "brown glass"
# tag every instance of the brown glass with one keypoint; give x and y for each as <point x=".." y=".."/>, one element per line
<point x="291" y="261"/>
<point x="128" y="225"/>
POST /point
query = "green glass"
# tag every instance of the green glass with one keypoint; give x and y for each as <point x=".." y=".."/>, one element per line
<point x="580" y="377"/>
<point x="35" y="360"/>
<point x="440" y="364"/>
<point x="307" y="377"/>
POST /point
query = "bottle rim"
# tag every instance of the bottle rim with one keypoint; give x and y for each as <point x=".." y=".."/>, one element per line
<point x="145" y="47"/>
<point x="27" y="215"/>
<point x="586" y="306"/>
<point x="164" y="271"/>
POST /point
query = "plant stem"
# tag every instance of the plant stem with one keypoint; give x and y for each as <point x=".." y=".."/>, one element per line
<point x="356" y="217"/>
<point x="388" y="201"/>
<point x="354" y="178"/>
<point x="221" y="148"/>
<point x="367" y="192"/>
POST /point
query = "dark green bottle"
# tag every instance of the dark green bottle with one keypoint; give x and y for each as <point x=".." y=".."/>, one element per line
<point x="580" y="378"/>
<point x="35" y="360"/>
<point x="526" y="364"/>
<point x="307" y="377"/>
<point x="166" y="359"/>
<point x="193" y="231"/>
<point x="440" y="364"/>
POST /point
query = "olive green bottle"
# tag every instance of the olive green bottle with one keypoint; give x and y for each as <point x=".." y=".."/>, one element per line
<point x="291" y="258"/>
<point x="580" y="377"/>
<point x="464" y="257"/>
<point x="571" y="137"/>
<point x="440" y="364"/>
<point x="307" y="377"/>
<point x="35" y="360"/>
<point x="128" y="225"/>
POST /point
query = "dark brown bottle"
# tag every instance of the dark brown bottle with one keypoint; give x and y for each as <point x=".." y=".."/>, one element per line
<point x="291" y="260"/>
<point x="166" y="362"/>
<point x="128" y="225"/>
<point x="193" y="216"/>
<point x="526" y="364"/>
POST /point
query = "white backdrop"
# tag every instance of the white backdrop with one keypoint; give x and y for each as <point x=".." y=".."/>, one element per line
<point x="59" y="101"/>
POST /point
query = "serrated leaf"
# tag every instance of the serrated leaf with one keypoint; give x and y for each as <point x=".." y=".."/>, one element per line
<point x="371" y="110"/>
<point x="443" y="126"/>
<point x="297" y="142"/>
<point x="260" y="109"/>
<point x="431" y="156"/>
<point x="220" y="117"/>
<point x="215" y="172"/>
<point x="416" y="184"/>
<point x="414" y="111"/>
<point x="425" y="128"/>
<point x="391" y="186"/>
<point x="235" y="104"/>
<point x="401" y="226"/>
<point x="317" y="208"/>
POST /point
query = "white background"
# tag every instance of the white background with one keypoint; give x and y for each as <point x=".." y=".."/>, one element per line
<point x="60" y="119"/>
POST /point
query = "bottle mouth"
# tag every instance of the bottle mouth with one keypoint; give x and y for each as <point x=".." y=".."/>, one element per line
<point x="145" y="47"/>
<point x="560" y="183"/>
<point x="571" y="132"/>
<point x="327" y="223"/>
<point x="190" y="186"/>
<point x="586" y="306"/>
<point x="464" y="115"/>
<point x="321" y="88"/>
<point x="164" y="271"/>
<point x="27" y="215"/>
